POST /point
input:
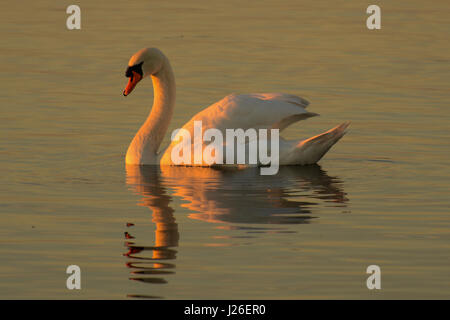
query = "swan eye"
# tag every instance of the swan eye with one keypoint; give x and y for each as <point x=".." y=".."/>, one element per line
<point x="136" y="68"/>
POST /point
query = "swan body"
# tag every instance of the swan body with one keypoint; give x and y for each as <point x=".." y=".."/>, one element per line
<point x="246" y="111"/>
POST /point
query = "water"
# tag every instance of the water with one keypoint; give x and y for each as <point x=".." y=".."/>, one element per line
<point x="380" y="196"/>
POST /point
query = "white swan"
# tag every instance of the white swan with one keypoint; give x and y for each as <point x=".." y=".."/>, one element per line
<point x="258" y="111"/>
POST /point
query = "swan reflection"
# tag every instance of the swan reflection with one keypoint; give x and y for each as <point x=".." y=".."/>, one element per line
<point x="146" y="261"/>
<point x="234" y="197"/>
<point x="245" y="196"/>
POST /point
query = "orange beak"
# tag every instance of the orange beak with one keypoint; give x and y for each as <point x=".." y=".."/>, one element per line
<point x="132" y="82"/>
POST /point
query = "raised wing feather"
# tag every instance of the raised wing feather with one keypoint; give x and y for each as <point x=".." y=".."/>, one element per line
<point x="258" y="111"/>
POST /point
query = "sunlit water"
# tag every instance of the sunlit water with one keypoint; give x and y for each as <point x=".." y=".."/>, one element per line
<point x="380" y="196"/>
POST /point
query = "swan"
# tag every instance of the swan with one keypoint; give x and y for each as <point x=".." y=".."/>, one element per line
<point x="244" y="111"/>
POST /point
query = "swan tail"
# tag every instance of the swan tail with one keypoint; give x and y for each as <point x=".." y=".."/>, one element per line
<point x="311" y="150"/>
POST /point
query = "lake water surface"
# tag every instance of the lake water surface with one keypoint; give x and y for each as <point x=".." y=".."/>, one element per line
<point x="379" y="197"/>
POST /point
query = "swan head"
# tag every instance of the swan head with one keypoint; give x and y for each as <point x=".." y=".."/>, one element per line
<point x="145" y="62"/>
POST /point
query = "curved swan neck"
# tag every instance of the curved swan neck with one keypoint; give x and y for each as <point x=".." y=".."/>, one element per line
<point x="163" y="104"/>
<point x="144" y="147"/>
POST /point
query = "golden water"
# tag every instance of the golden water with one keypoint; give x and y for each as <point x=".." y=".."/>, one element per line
<point x="380" y="196"/>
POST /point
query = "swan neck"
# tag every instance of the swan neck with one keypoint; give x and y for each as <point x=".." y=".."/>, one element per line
<point x="145" y="145"/>
<point x="163" y="95"/>
<point x="163" y="104"/>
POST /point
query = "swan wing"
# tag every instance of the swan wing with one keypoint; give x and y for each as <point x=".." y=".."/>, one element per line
<point x="258" y="111"/>
<point x="245" y="111"/>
